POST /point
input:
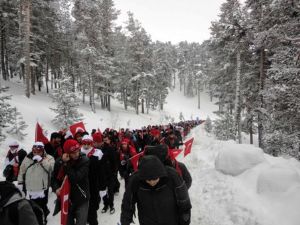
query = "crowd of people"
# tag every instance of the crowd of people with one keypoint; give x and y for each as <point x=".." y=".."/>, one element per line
<point x="158" y="185"/>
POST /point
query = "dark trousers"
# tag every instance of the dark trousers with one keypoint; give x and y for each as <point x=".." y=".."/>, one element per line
<point x="93" y="207"/>
<point x="108" y="199"/>
<point x="42" y="203"/>
<point x="78" y="214"/>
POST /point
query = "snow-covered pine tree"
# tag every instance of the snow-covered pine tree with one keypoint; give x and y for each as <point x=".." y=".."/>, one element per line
<point x="208" y="125"/>
<point x="67" y="103"/>
<point x="6" y="116"/>
<point x="224" y="128"/>
<point x="18" y="125"/>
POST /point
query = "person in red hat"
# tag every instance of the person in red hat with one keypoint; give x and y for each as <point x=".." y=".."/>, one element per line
<point x="126" y="151"/>
<point x="75" y="165"/>
<point x="97" y="176"/>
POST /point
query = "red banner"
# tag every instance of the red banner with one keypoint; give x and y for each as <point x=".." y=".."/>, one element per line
<point x="188" y="146"/>
<point x="77" y="127"/>
<point x="173" y="153"/>
<point x="39" y="134"/>
<point x="64" y="199"/>
<point x="135" y="159"/>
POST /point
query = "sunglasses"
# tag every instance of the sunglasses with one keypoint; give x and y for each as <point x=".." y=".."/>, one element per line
<point x="38" y="146"/>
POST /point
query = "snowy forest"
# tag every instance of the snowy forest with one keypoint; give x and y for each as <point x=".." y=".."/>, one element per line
<point x="75" y="51"/>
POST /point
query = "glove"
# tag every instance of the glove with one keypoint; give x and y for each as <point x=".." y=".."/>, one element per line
<point x="185" y="218"/>
<point x="123" y="162"/>
<point x="102" y="193"/>
<point x="37" y="158"/>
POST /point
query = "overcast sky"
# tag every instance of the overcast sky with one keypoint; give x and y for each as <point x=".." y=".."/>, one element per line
<point x="172" y="20"/>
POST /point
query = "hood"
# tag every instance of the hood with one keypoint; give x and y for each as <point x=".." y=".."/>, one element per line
<point x="150" y="167"/>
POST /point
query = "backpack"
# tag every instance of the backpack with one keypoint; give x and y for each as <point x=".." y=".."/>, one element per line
<point x="14" y="217"/>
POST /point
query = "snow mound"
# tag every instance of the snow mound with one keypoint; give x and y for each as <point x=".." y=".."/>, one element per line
<point x="234" y="159"/>
<point x="277" y="179"/>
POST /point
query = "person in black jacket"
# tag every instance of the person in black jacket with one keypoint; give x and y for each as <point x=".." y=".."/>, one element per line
<point x="53" y="147"/>
<point x="160" y="194"/>
<point x="161" y="151"/>
<point x="110" y="166"/>
<point x="76" y="166"/>
<point x="96" y="176"/>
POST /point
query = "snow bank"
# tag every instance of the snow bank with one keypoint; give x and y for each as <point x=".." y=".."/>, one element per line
<point x="234" y="159"/>
<point x="277" y="178"/>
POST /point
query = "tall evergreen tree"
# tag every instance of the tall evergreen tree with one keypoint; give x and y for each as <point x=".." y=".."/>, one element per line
<point x="66" y="103"/>
<point x="18" y="125"/>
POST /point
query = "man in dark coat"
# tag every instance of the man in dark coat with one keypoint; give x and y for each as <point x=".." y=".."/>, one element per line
<point x="97" y="175"/>
<point x="161" y="151"/>
<point x="160" y="194"/>
<point x="76" y="166"/>
<point x="53" y="147"/>
<point x="110" y="166"/>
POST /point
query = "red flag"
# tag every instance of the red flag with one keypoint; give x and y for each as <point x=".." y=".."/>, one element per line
<point x="135" y="159"/>
<point x="188" y="146"/>
<point x="173" y="153"/>
<point x="64" y="199"/>
<point x="39" y="134"/>
<point x="77" y="127"/>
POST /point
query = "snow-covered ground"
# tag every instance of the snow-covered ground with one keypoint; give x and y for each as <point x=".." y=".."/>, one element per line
<point x="232" y="184"/>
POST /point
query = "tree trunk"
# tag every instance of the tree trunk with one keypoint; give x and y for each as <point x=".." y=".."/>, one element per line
<point x="3" y="67"/>
<point x="261" y="88"/>
<point x="91" y="88"/>
<point x="137" y="99"/>
<point x="198" y="90"/>
<point x="47" y="75"/>
<point x="143" y="107"/>
<point x="237" y="109"/>
<point x="251" y="131"/>
<point x="33" y="81"/>
<point x="125" y="98"/>
<point x="26" y="51"/>
<point x="108" y="96"/>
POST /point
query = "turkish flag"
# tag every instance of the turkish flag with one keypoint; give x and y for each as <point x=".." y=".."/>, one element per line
<point x="39" y="134"/>
<point x="173" y="153"/>
<point x="135" y="160"/>
<point x="64" y="200"/>
<point x="77" y="127"/>
<point x="188" y="146"/>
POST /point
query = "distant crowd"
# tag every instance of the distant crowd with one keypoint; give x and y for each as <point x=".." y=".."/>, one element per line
<point x="154" y="180"/>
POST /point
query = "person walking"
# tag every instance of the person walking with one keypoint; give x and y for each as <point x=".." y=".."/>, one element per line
<point x="159" y="193"/>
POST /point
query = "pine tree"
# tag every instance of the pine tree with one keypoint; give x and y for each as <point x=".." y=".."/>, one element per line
<point x="67" y="103"/>
<point x="224" y="128"/>
<point x="18" y="125"/>
<point x="208" y="125"/>
<point x="6" y="112"/>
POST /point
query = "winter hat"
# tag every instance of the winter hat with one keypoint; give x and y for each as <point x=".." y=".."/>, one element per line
<point x="155" y="132"/>
<point x="125" y="141"/>
<point x="13" y="144"/>
<point x="97" y="137"/>
<point x="151" y="168"/>
<point x="160" y="151"/>
<point x="38" y="144"/>
<point x="71" y="145"/>
<point x="86" y="139"/>
<point x="68" y="134"/>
